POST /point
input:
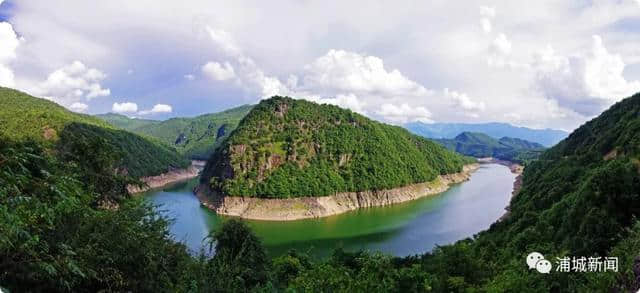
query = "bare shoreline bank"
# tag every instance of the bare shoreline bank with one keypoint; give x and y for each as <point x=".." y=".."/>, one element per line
<point x="163" y="179"/>
<point x="316" y="207"/>
<point x="517" y="183"/>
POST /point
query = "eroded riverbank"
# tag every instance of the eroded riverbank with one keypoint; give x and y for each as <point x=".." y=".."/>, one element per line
<point x="172" y="176"/>
<point x="401" y="229"/>
<point x="318" y="207"/>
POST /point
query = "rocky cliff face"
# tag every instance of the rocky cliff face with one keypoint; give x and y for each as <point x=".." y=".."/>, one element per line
<point x="315" y="207"/>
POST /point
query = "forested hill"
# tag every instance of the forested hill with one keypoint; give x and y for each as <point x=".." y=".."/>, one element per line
<point x="481" y="145"/>
<point x="546" y="137"/>
<point x="580" y="198"/>
<point x="26" y="118"/>
<point x="195" y="137"/>
<point x="290" y="148"/>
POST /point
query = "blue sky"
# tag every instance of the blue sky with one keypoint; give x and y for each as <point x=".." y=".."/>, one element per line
<point x="536" y="63"/>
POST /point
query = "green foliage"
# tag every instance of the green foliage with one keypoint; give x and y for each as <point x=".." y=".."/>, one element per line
<point x="292" y="148"/>
<point x="23" y="117"/>
<point x="139" y="156"/>
<point x="240" y="261"/>
<point x="481" y="145"/>
<point x="52" y="238"/>
<point x="195" y="137"/>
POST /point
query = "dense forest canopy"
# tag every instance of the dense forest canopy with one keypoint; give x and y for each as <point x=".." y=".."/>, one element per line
<point x="26" y="118"/>
<point x="290" y="148"/>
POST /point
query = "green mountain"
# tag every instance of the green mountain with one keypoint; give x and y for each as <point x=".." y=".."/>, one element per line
<point x="580" y="198"/>
<point x="23" y="118"/>
<point x="290" y="148"/>
<point x="125" y="122"/>
<point x="195" y="137"/>
<point x="546" y="137"/>
<point x="481" y="145"/>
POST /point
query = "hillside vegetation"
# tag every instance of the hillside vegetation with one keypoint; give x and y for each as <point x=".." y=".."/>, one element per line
<point x="545" y="137"/>
<point x="481" y="145"/>
<point x="291" y="148"/>
<point x="580" y="199"/>
<point x="195" y="137"/>
<point x="26" y="118"/>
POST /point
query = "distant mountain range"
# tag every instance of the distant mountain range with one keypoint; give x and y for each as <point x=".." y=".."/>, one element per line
<point x="481" y="145"/>
<point x="195" y="137"/>
<point x="546" y="137"/>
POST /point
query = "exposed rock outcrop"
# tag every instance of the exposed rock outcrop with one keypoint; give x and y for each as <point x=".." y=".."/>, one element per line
<point x="315" y="207"/>
<point x="152" y="182"/>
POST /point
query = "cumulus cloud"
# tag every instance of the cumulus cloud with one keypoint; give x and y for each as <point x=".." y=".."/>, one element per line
<point x="254" y="79"/>
<point x="218" y="71"/>
<point x="158" y="108"/>
<point x="463" y="101"/>
<point x="344" y="71"/>
<point x="585" y="83"/>
<point x="8" y="44"/>
<point x="79" y="107"/>
<point x="501" y="45"/>
<point x="349" y="101"/>
<point x="72" y="83"/>
<point x="189" y="77"/>
<point x="404" y="113"/>
<point x="224" y="40"/>
<point x="486" y="13"/>
<point x="125" y="107"/>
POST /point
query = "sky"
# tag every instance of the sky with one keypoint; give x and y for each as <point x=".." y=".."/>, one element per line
<point x="540" y="64"/>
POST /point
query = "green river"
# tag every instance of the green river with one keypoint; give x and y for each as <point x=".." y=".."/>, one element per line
<point x="403" y="229"/>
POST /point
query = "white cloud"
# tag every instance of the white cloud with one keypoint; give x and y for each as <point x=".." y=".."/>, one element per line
<point x="79" y="107"/>
<point x="218" y="71"/>
<point x="487" y="14"/>
<point x="126" y="107"/>
<point x="585" y="83"/>
<point x="189" y="77"/>
<point x="343" y="71"/>
<point x="485" y="23"/>
<point x="501" y="45"/>
<point x="463" y="101"/>
<point x="404" y="113"/>
<point x="349" y="101"/>
<point x="224" y="41"/>
<point x="158" y="108"/>
<point x="9" y="42"/>
<point x="72" y="83"/>
<point x="253" y="79"/>
<point x="487" y="11"/>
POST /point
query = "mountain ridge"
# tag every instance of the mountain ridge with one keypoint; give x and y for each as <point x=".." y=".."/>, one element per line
<point x="195" y="137"/>
<point x="546" y="137"/>
<point x="480" y="145"/>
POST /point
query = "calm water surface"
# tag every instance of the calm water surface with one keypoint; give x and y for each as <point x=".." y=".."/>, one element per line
<point x="403" y="229"/>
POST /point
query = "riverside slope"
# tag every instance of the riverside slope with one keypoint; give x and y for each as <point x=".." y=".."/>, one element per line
<point x="172" y="176"/>
<point x="315" y="207"/>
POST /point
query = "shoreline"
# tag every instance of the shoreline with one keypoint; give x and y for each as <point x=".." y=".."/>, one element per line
<point x="316" y="207"/>
<point x="153" y="182"/>
<point x="517" y="183"/>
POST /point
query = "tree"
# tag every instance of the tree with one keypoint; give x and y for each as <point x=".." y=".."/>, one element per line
<point x="240" y="260"/>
